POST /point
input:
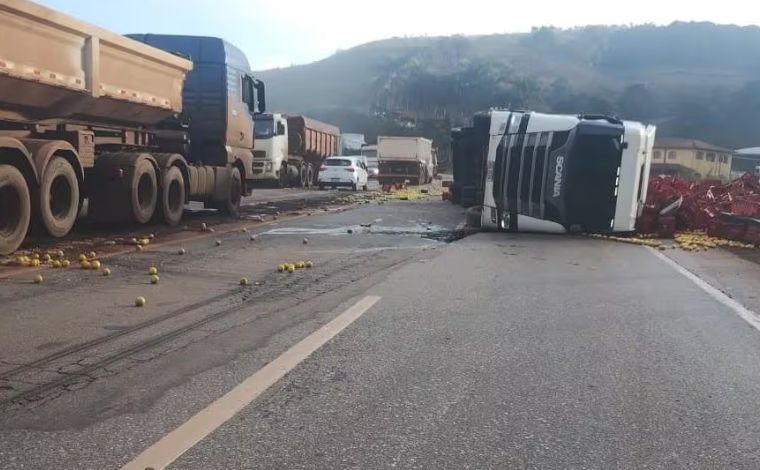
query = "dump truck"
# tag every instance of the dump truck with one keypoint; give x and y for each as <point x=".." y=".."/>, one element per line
<point x="563" y="173"/>
<point x="405" y="159"/>
<point x="290" y="149"/>
<point x="136" y="125"/>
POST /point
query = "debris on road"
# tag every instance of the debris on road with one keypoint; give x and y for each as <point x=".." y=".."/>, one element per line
<point x="728" y="211"/>
<point x="244" y="281"/>
<point x="153" y="271"/>
<point x="154" y="279"/>
<point x="38" y="279"/>
<point x="106" y="272"/>
<point x="218" y="243"/>
<point x="140" y="301"/>
<point x="182" y="251"/>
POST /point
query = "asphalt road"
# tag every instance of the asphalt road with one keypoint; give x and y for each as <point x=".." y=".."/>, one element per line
<point x="516" y="352"/>
<point x="494" y="351"/>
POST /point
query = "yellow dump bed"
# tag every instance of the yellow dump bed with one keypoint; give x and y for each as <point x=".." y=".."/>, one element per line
<point x="53" y="66"/>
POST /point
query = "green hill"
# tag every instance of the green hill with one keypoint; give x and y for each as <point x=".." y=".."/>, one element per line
<point x="697" y="80"/>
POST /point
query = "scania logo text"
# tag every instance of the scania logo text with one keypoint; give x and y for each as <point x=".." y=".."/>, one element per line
<point x="559" y="166"/>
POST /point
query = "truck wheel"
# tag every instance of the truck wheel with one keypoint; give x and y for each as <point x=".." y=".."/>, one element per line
<point x="232" y="205"/>
<point x="309" y="175"/>
<point x="282" y="181"/>
<point x="59" y="197"/>
<point x="172" y="197"/>
<point x="143" y="191"/>
<point x="302" y="176"/>
<point x="354" y="187"/>
<point x="15" y="209"/>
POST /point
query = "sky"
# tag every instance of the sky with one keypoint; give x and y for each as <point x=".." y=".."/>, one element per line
<point x="280" y="33"/>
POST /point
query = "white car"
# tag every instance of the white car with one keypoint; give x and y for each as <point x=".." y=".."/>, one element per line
<point x="343" y="171"/>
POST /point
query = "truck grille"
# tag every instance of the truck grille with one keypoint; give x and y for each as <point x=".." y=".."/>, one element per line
<point x="520" y="173"/>
<point x="259" y="154"/>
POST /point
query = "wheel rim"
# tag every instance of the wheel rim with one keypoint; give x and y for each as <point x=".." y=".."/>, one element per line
<point x="145" y="191"/>
<point x="174" y="196"/>
<point x="60" y="197"/>
<point x="10" y="210"/>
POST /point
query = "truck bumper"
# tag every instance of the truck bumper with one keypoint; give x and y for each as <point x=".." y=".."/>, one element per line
<point x="263" y="170"/>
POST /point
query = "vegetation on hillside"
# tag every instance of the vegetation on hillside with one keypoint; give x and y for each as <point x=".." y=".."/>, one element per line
<point x="697" y="80"/>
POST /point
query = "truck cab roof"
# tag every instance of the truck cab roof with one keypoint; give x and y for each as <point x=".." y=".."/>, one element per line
<point x="199" y="49"/>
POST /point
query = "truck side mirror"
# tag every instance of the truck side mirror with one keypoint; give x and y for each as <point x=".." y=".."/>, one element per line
<point x="261" y="96"/>
<point x="248" y="97"/>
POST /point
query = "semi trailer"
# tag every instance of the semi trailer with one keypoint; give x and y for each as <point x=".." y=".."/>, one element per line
<point x="405" y="159"/>
<point x="557" y="173"/>
<point x="137" y="125"/>
<point x="469" y="148"/>
<point x="289" y="150"/>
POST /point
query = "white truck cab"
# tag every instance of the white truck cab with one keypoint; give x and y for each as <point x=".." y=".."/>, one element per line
<point x="270" y="148"/>
<point x="557" y="173"/>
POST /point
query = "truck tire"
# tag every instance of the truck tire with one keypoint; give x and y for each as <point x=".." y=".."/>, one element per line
<point x="172" y="203"/>
<point x="59" y="197"/>
<point x="143" y="191"/>
<point x="302" y="183"/>
<point x="309" y="175"/>
<point x="15" y="209"/>
<point x="231" y="206"/>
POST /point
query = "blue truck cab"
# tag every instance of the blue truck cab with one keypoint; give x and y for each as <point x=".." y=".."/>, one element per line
<point x="220" y="98"/>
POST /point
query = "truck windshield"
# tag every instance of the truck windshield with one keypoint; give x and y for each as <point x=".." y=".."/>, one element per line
<point x="263" y="128"/>
<point x="592" y="180"/>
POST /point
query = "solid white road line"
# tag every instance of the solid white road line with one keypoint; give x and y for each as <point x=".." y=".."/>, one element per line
<point x="743" y="312"/>
<point x="179" y="441"/>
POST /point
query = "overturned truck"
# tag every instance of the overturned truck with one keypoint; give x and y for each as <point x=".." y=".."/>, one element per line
<point x="557" y="173"/>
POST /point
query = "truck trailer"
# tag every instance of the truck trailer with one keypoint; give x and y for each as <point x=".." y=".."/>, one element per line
<point x="137" y="125"/>
<point x="557" y="173"/>
<point x="405" y="159"/>
<point x="469" y="148"/>
<point x="289" y="150"/>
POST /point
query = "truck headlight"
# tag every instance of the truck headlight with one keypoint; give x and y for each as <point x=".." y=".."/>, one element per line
<point x="269" y="166"/>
